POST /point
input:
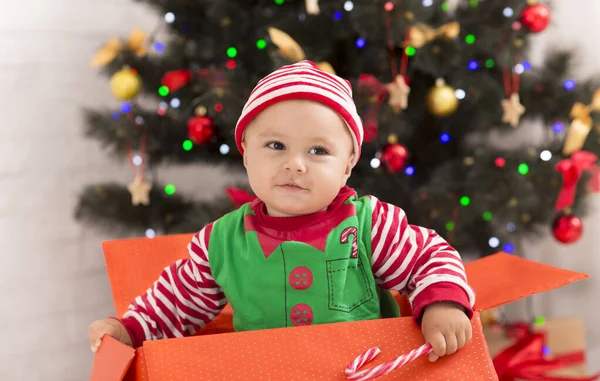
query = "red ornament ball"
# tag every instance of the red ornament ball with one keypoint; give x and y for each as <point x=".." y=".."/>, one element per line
<point x="536" y="17"/>
<point x="395" y="157"/>
<point x="200" y="129"/>
<point x="567" y="229"/>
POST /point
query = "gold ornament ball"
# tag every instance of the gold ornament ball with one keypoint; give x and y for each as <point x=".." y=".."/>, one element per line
<point x="125" y="84"/>
<point x="201" y="110"/>
<point x="441" y="100"/>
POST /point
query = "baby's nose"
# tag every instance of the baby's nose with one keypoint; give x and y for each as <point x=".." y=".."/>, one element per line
<point x="295" y="163"/>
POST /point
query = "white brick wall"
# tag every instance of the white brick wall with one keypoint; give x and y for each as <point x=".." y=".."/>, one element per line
<point x="52" y="277"/>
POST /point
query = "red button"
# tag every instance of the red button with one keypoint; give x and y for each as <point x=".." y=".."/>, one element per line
<point x="301" y="314"/>
<point x="301" y="278"/>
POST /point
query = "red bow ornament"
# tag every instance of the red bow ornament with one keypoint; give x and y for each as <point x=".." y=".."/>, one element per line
<point x="176" y="79"/>
<point x="525" y="360"/>
<point x="571" y="170"/>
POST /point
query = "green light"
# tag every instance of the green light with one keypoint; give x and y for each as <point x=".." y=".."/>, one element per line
<point x="450" y="226"/>
<point x="487" y="216"/>
<point x="410" y="51"/>
<point x="445" y="6"/>
<point x="539" y="320"/>
<point x="279" y="2"/>
<point x="187" y="145"/>
<point x="465" y="201"/>
<point x="231" y="52"/>
<point x="170" y="189"/>
<point x="163" y="91"/>
<point x="469" y="39"/>
<point x="489" y="63"/>
<point x="523" y="169"/>
<point x="474" y="3"/>
<point x="261" y="44"/>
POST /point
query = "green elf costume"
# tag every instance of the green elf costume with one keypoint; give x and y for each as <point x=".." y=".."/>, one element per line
<point x="336" y="265"/>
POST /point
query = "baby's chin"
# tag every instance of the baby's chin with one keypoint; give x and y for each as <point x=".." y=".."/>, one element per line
<point x="292" y="210"/>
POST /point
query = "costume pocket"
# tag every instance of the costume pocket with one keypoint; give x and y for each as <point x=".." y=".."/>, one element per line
<point x="348" y="284"/>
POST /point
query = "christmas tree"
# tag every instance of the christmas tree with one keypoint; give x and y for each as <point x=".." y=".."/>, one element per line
<point x="434" y="85"/>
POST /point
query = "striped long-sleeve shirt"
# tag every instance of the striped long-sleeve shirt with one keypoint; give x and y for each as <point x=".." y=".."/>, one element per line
<point x="407" y="258"/>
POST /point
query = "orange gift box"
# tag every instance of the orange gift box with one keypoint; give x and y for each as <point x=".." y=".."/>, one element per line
<point x="319" y="352"/>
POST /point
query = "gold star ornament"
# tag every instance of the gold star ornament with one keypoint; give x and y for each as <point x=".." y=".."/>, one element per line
<point x="399" y="91"/>
<point x="140" y="191"/>
<point x="513" y="109"/>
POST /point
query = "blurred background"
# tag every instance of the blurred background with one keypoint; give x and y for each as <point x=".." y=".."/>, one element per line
<point x="79" y="126"/>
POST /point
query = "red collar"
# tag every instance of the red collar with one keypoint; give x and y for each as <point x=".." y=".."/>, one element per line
<point x="311" y="229"/>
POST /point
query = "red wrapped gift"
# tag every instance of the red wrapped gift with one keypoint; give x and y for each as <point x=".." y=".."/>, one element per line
<point x="551" y="350"/>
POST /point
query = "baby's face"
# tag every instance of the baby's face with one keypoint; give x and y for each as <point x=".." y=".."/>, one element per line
<point x="298" y="154"/>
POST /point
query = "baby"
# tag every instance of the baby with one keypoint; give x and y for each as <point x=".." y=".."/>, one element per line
<point x="308" y="250"/>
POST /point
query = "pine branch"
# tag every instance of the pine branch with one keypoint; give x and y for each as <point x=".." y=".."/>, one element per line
<point x="108" y="206"/>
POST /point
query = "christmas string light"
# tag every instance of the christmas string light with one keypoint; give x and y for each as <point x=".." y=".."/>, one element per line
<point x="170" y="189"/>
<point x="569" y="84"/>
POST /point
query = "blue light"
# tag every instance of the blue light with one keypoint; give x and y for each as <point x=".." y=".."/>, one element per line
<point x="186" y="27"/>
<point x="116" y="115"/>
<point x="546" y="350"/>
<point x="360" y="42"/>
<point x="410" y="170"/>
<point x="511" y="227"/>
<point x="569" y="84"/>
<point x="558" y="127"/>
<point x="159" y="47"/>
<point x="526" y="65"/>
<point x="337" y="15"/>
<point x="473" y="65"/>
<point x="125" y="107"/>
<point x="302" y="16"/>
<point x="509" y="248"/>
<point x="445" y="138"/>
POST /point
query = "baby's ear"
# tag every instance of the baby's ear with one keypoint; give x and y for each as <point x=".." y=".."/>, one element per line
<point x="349" y="166"/>
<point x="244" y="155"/>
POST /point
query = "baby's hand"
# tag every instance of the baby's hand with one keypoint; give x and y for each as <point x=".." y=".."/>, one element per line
<point x="110" y="327"/>
<point x="446" y="327"/>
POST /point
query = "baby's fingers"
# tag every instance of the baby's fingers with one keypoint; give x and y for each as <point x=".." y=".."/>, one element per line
<point x="96" y="331"/>
<point x="438" y="342"/>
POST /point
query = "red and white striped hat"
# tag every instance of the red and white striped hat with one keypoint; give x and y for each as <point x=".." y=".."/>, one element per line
<point x="303" y="80"/>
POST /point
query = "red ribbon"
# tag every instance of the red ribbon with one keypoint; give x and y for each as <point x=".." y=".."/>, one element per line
<point x="525" y="360"/>
<point x="571" y="170"/>
<point x="369" y="85"/>
<point x="239" y="196"/>
<point x="176" y="79"/>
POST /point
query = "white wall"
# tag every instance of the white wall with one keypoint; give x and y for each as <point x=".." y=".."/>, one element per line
<point x="52" y="277"/>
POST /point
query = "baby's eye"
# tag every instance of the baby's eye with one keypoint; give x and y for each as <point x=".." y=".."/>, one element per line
<point x="318" y="151"/>
<point x="276" y="145"/>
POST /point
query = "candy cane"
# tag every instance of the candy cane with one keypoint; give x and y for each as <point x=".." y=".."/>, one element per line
<point x="352" y="372"/>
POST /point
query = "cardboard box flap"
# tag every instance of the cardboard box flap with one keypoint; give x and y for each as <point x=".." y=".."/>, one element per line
<point x="112" y="361"/>
<point x="503" y="278"/>
<point x="135" y="264"/>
